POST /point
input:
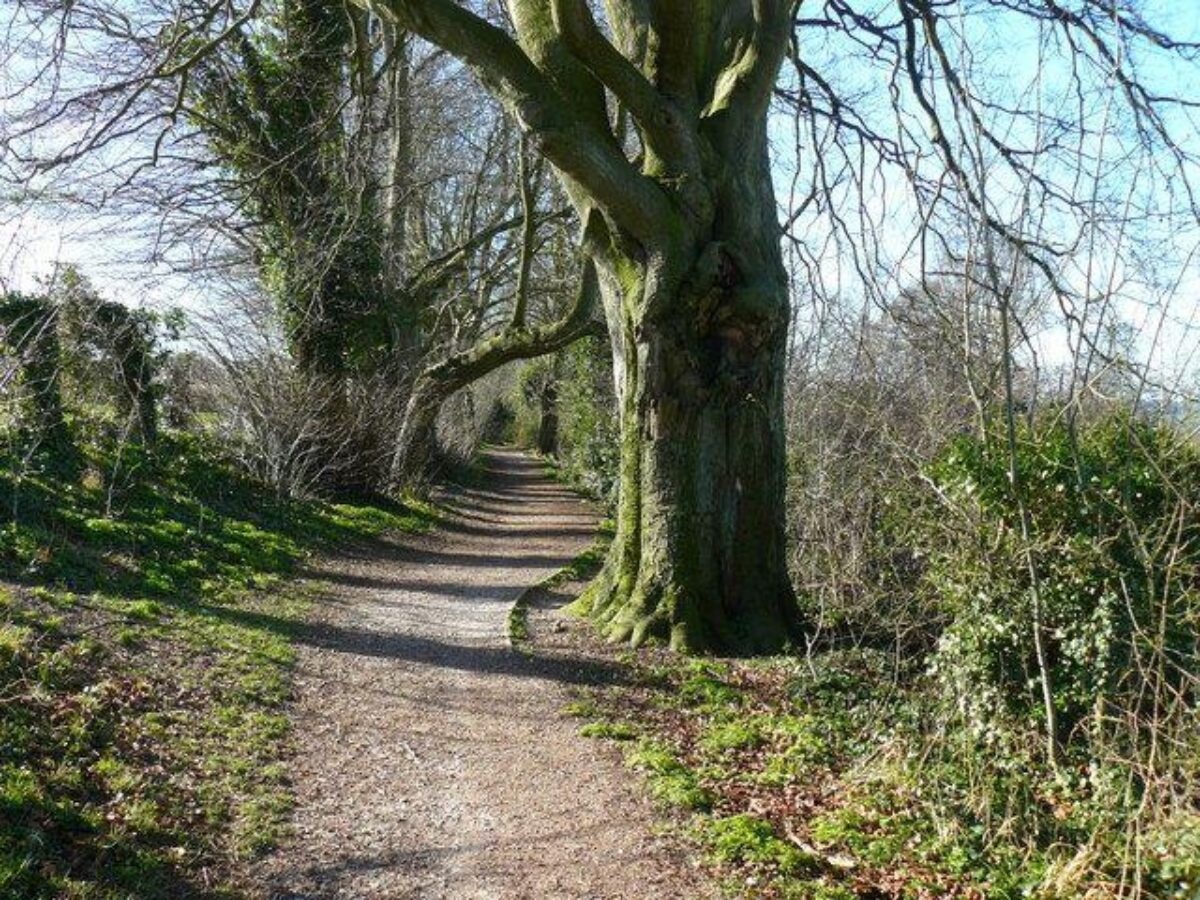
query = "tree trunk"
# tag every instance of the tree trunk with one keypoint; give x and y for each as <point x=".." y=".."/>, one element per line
<point x="147" y="406"/>
<point x="699" y="559"/>
<point x="133" y="352"/>
<point x="29" y="331"/>
<point x="547" y="439"/>
<point x="416" y="445"/>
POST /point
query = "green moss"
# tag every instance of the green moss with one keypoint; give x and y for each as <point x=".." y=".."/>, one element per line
<point x="518" y="622"/>
<point x="818" y="890"/>
<point x="738" y="734"/>
<point x="143" y="610"/>
<point x="748" y="839"/>
<point x="876" y="839"/>
<point x="13" y="639"/>
<point x="669" y="780"/>
<point x="412" y="517"/>
<point x="798" y="744"/>
<point x="584" y="708"/>
<point x="703" y="689"/>
<point x="588" y="565"/>
<point x="583" y="605"/>
<point x="117" y="775"/>
<point x="583" y="566"/>
<point x="57" y="598"/>
<point x="653" y="757"/>
<point x="682" y="791"/>
<point x="613" y="731"/>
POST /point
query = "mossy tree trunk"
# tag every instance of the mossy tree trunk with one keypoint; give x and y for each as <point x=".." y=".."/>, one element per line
<point x="547" y="436"/>
<point x="680" y="222"/>
<point x="274" y="115"/>
<point x="127" y="338"/>
<point x="699" y="559"/>
<point x="29" y="329"/>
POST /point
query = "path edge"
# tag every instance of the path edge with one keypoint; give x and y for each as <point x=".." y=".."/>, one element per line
<point x="583" y="565"/>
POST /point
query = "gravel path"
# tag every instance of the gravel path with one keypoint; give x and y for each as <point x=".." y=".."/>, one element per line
<point x="432" y="761"/>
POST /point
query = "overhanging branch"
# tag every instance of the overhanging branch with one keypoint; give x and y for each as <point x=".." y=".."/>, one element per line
<point x="588" y="156"/>
<point x="662" y="124"/>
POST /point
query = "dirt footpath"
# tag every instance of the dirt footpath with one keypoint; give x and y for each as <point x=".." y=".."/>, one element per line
<point x="434" y="762"/>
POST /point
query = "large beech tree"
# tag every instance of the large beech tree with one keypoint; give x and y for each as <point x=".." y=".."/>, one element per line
<point x="684" y="236"/>
<point x="656" y="119"/>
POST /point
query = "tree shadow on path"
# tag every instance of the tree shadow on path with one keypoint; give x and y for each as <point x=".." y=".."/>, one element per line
<point x="428" y="651"/>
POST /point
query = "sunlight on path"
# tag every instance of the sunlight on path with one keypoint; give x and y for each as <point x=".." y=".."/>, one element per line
<point x="433" y="762"/>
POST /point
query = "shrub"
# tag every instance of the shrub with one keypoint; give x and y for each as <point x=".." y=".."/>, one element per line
<point x="1094" y="548"/>
<point x="1110" y="548"/>
<point x="29" y="332"/>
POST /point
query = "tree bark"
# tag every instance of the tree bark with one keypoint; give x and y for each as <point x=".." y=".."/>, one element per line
<point x="699" y="559"/>
<point x="416" y="446"/>
<point x="547" y="437"/>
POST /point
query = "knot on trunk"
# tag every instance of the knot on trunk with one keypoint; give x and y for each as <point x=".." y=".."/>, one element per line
<point x="727" y="300"/>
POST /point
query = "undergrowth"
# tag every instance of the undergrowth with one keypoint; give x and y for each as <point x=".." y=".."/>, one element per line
<point x="815" y="778"/>
<point x="146" y="623"/>
<point x="1017" y="714"/>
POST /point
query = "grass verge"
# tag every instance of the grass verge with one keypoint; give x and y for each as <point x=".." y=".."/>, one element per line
<point x="581" y="568"/>
<point x="148" y="611"/>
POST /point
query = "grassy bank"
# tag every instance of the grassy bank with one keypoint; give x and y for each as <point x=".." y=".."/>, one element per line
<point x="819" y="779"/>
<point x="148" y="608"/>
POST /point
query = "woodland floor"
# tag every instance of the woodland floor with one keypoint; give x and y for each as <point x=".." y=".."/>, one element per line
<point x="433" y="761"/>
